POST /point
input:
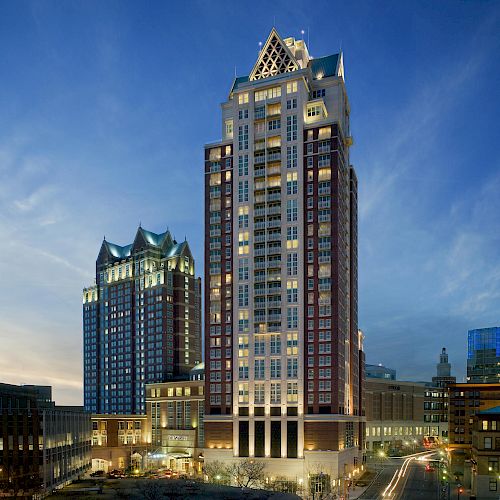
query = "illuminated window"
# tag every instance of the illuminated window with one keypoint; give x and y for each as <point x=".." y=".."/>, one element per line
<point x="243" y="217"/>
<point x="243" y="246"/>
<point x="271" y="93"/>
<point x="243" y="368"/>
<point x="291" y="87"/>
<point x="243" y="98"/>
<point x="314" y="110"/>
<point x="243" y="322"/>
<point x="291" y="183"/>
<point x="324" y="133"/>
<point x="291" y="237"/>
<point x="291" y="291"/>
<point x="292" y="392"/>
<point x="292" y="342"/>
<point x="243" y="392"/>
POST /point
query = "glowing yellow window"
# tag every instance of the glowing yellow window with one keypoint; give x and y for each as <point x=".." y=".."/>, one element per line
<point x="243" y="247"/>
<point x="243" y="98"/>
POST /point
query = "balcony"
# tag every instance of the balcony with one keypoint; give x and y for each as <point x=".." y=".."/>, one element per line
<point x="272" y="224"/>
<point x="274" y="317"/>
<point x="274" y="237"/>
<point x="274" y="303"/>
<point x="274" y="170"/>
<point x="273" y="250"/>
<point x="274" y="197"/>
<point x="259" y="172"/>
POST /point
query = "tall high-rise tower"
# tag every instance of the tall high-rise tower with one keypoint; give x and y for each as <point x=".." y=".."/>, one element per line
<point x="282" y="346"/>
<point x="141" y="321"/>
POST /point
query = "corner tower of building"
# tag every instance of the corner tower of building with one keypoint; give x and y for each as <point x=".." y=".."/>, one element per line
<point x="282" y="348"/>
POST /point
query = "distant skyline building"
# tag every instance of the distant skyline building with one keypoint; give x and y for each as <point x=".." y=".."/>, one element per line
<point x="443" y="371"/>
<point x="483" y="355"/>
<point x="141" y="321"/>
<point x="380" y="371"/>
<point x="283" y="355"/>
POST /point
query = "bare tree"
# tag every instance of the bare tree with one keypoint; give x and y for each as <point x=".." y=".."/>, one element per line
<point x="150" y="490"/>
<point x="217" y="472"/>
<point x="248" y="473"/>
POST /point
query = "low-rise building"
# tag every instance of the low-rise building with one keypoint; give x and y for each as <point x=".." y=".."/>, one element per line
<point x="170" y="434"/>
<point x="119" y="442"/>
<point x="486" y="454"/>
<point x="175" y="414"/>
<point x="42" y="446"/>
<point x="394" y="414"/>
<point x="466" y="400"/>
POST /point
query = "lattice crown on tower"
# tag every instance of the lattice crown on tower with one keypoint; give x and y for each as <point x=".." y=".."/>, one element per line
<point x="274" y="58"/>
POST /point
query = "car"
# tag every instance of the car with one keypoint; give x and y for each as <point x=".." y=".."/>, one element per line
<point x="97" y="473"/>
<point x="116" y="474"/>
<point x="429" y="468"/>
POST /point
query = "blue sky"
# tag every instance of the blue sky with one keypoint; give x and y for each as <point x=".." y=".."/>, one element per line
<point x="105" y="107"/>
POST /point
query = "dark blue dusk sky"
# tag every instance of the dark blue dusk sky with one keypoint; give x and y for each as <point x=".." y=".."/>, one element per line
<point x="104" y="110"/>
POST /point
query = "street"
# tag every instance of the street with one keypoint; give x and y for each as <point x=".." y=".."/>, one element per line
<point x="403" y="479"/>
<point x="419" y="483"/>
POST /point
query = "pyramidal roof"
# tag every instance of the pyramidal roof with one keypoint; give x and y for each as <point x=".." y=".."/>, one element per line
<point x="279" y="56"/>
<point x="143" y="238"/>
<point x="274" y="58"/>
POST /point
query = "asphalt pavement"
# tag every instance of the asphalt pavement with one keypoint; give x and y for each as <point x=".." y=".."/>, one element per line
<point x="420" y="484"/>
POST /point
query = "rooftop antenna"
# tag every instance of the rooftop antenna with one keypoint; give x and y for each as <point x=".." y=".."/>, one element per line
<point x="260" y="46"/>
<point x="308" y="38"/>
<point x="235" y="70"/>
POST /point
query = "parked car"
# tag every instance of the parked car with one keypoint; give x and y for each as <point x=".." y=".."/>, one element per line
<point x="97" y="473"/>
